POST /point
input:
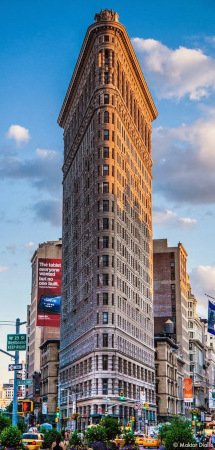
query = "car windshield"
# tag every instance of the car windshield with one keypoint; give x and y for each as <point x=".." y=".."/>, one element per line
<point x="29" y="436"/>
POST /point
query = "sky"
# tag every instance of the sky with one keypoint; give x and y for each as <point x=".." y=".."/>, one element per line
<point x="39" y="45"/>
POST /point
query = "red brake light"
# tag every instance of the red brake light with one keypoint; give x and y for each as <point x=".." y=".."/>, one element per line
<point x="33" y="443"/>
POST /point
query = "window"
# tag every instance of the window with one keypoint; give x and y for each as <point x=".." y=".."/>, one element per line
<point x="105" y="187"/>
<point x="105" y="339"/>
<point x="105" y="260"/>
<point x="106" y="117"/>
<point x="105" y="242"/>
<point x="97" y="318"/>
<point x="105" y="169"/>
<point x="105" y="223"/>
<point x="106" y="135"/>
<point x="105" y="318"/>
<point x="105" y="298"/>
<point x="105" y="205"/>
<point x="106" y="38"/>
<point x="105" y="386"/>
<point x="106" y="99"/>
<point x="105" y="279"/>
<point x="105" y="362"/>
<point x="106" y="77"/>
<point x="106" y="152"/>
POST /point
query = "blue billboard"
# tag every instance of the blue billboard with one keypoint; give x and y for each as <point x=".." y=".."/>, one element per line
<point x="211" y="317"/>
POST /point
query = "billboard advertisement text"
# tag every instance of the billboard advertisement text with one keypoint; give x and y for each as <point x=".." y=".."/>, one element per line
<point x="49" y="292"/>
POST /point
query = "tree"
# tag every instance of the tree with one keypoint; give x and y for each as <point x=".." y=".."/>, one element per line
<point x="4" y="422"/>
<point x="50" y="437"/>
<point x="74" y="439"/>
<point x="11" y="437"/>
<point x="96" y="434"/>
<point x="111" y="426"/>
<point x="178" y="431"/>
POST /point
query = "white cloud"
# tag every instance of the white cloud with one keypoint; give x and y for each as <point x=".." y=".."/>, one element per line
<point x="19" y="134"/>
<point x="187" y="221"/>
<point x="168" y="217"/>
<point x="203" y="282"/>
<point x="29" y="245"/>
<point x="184" y="161"/>
<point x="44" y="153"/>
<point x="176" y="72"/>
<point x="3" y="269"/>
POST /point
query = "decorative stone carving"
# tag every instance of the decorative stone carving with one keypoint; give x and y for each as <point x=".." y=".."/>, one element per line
<point x="107" y="15"/>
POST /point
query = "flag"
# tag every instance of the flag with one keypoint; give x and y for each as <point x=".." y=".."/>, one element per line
<point x="211" y="317"/>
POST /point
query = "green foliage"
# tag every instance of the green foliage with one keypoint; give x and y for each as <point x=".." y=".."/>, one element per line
<point x="163" y="430"/>
<point x="74" y="439"/>
<point x="49" y="437"/>
<point x="129" y="438"/>
<point x="11" y="437"/>
<point x="4" y="422"/>
<point x="111" y="426"/>
<point x="180" y="431"/>
<point x="22" y="426"/>
<point x="97" y="433"/>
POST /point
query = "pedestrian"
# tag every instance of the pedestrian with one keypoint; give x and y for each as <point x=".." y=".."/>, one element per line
<point x="58" y="444"/>
<point x="213" y="440"/>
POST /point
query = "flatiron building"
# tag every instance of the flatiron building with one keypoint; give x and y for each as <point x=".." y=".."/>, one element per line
<point x="107" y="349"/>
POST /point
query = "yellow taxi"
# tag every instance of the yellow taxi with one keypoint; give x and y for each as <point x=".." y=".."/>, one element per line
<point x="139" y="439"/>
<point x="150" y="442"/>
<point x="32" y="441"/>
<point x="119" y="441"/>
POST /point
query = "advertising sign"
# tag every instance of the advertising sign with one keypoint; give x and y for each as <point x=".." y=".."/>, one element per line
<point x="211" y="399"/>
<point x="16" y="342"/>
<point x="211" y="317"/>
<point x="49" y="292"/>
<point x="188" y="390"/>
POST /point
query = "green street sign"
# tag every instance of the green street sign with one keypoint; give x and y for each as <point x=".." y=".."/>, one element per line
<point x="16" y="342"/>
<point x="25" y="382"/>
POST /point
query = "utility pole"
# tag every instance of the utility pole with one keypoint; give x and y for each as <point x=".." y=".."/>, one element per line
<point x="15" y="385"/>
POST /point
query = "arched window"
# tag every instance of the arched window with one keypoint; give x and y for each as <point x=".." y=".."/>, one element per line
<point x="106" y="117"/>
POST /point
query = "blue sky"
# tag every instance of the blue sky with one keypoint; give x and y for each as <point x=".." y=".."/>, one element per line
<point x="39" y="45"/>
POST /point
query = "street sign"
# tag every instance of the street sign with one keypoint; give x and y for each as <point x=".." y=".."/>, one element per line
<point x="16" y="342"/>
<point x="14" y="367"/>
<point x="25" y="382"/>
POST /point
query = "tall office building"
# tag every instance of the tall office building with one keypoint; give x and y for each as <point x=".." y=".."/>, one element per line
<point x="107" y="348"/>
<point x="39" y="333"/>
<point x="171" y="293"/>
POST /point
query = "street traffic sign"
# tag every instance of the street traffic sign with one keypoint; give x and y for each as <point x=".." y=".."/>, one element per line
<point x="14" y="367"/>
<point x="16" y="342"/>
<point x="24" y="382"/>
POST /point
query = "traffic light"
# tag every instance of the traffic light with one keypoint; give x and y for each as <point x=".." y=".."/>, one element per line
<point x="121" y="396"/>
<point x="145" y="405"/>
<point x="25" y="406"/>
<point x="58" y="412"/>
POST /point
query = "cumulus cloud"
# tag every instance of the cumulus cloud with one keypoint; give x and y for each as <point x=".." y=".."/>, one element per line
<point x="19" y="134"/>
<point x="168" y="217"/>
<point x="178" y="72"/>
<point x="203" y="282"/>
<point x="29" y="245"/>
<point x="3" y="269"/>
<point x="184" y="160"/>
<point x="49" y="211"/>
<point x="43" y="171"/>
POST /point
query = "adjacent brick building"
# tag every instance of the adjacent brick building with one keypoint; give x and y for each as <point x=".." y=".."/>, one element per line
<point x="171" y="293"/>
